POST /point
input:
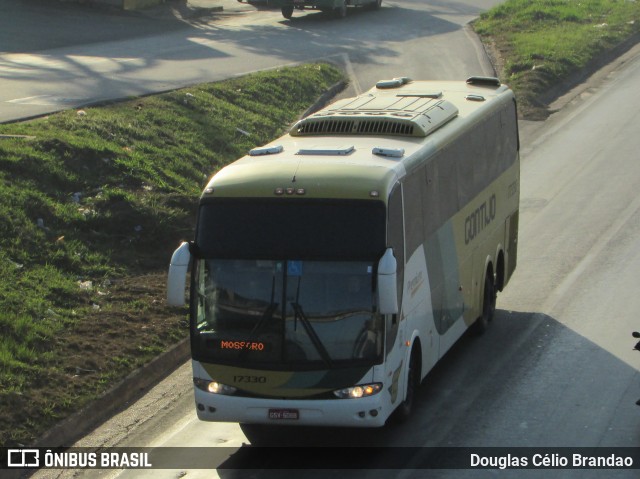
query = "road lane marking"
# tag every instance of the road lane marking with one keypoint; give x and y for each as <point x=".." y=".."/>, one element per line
<point x="47" y="100"/>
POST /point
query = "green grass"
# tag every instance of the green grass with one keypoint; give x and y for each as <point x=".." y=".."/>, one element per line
<point x="541" y="42"/>
<point x="92" y="203"/>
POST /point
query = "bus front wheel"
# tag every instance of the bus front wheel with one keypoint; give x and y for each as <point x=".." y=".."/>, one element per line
<point x="287" y="11"/>
<point x="413" y="382"/>
<point x="488" y="305"/>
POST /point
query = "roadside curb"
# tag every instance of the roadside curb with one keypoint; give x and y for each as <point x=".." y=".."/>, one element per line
<point x="131" y="388"/>
<point x="556" y="95"/>
<point x="564" y="93"/>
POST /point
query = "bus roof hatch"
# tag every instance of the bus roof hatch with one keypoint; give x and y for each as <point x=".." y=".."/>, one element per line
<point x="380" y="114"/>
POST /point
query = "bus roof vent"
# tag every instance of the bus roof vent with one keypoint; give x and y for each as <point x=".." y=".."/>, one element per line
<point x="379" y="116"/>
<point x="339" y="151"/>
<point x="430" y="94"/>
<point x="389" y="152"/>
<point x="266" y="150"/>
<point x="483" y="81"/>
<point x="395" y="83"/>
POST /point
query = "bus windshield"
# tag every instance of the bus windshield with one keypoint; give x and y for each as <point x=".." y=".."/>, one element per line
<point x="286" y="314"/>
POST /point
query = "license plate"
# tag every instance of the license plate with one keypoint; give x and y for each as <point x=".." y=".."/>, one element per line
<point x="278" y="414"/>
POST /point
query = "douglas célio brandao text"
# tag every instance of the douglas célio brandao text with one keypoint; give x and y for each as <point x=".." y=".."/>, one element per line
<point x="550" y="460"/>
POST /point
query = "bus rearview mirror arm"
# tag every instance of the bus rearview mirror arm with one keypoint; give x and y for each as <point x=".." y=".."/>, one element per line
<point x="387" y="283"/>
<point x="177" y="279"/>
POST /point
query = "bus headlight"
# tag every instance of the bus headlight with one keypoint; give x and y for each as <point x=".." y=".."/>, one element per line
<point x="360" y="391"/>
<point x="213" y="387"/>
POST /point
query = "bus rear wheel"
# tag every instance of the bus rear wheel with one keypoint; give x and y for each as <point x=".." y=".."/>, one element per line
<point x="287" y="12"/>
<point x="488" y="306"/>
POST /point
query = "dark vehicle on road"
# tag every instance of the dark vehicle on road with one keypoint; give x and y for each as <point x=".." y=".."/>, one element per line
<point x="337" y="7"/>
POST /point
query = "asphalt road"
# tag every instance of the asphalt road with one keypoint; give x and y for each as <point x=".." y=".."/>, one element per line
<point x="556" y="368"/>
<point x="28" y="26"/>
<point x="110" y="55"/>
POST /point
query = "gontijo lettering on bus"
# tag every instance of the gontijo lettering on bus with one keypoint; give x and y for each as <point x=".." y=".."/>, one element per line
<point x="479" y="219"/>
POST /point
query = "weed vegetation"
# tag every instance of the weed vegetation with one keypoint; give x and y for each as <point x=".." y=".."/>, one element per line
<point x="92" y="204"/>
<point x="538" y="43"/>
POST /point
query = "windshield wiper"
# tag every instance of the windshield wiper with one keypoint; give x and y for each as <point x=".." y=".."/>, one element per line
<point x="317" y="343"/>
<point x="265" y="318"/>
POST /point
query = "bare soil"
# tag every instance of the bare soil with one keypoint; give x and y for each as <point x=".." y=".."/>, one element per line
<point x="131" y="325"/>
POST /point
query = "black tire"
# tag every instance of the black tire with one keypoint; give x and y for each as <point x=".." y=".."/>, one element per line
<point x="488" y="306"/>
<point x="413" y="382"/>
<point x="377" y="4"/>
<point x="287" y="12"/>
<point x="341" y="11"/>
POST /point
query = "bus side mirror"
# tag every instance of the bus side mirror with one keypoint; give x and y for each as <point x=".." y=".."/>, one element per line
<point x="177" y="279"/>
<point x="387" y="283"/>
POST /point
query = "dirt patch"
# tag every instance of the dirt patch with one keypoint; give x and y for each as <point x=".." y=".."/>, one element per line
<point x="529" y="106"/>
<point x="129" y="325"/>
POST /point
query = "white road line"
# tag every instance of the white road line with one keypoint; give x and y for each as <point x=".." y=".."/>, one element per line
<point x="46" y="100"/>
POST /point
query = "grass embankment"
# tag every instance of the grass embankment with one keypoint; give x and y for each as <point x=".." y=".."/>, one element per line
<point x="92" y="203"/>
<point x="539" y="43"/>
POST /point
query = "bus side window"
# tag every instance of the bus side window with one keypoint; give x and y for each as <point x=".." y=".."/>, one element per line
<point x="395" y="240"/>
<point x="414" y="190"/>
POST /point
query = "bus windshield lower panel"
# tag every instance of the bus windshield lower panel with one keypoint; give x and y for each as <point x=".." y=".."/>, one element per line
<point x="294" y="228"/>
<point x="286" y="314"/>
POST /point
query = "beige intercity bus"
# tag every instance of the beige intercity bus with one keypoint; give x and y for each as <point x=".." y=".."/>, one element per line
<point x="332" y="268"/>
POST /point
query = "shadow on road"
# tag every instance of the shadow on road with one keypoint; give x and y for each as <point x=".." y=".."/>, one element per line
<point x="35" y="25"/>
<point x="528" y="382"/>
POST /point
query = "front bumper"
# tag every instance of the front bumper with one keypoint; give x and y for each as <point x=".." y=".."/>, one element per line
<point x="359" y="412"/>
